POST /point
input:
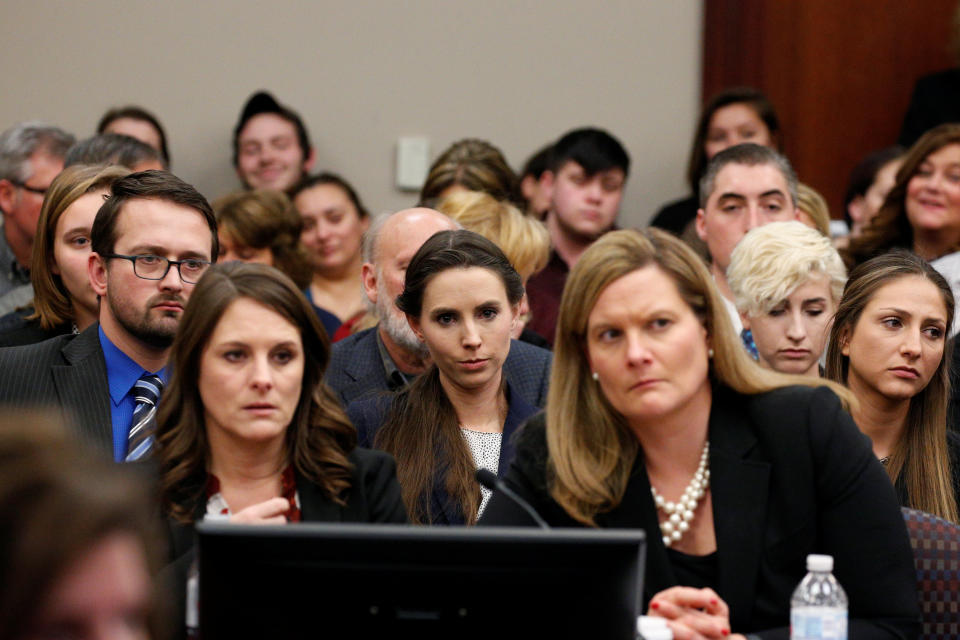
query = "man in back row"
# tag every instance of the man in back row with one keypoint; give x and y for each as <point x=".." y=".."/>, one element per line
<point x="585" y="180"/>
<point x="31" y="156"/>
<point x="388" y="356"/>
<point x="745" y="186"/>
<point x="152" y="240"/>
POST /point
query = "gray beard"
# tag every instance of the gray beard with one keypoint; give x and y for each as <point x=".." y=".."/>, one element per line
<point x="395" y="325"/>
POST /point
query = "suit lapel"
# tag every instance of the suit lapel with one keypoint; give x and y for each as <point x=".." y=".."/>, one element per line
<point x="81" y="386"/>
<point x="739" y="487"/>
<point x="314" y="506"/>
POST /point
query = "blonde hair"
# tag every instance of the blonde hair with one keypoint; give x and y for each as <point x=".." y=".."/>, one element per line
<point x="591" y="448"/>
<point x="773" y="260"/>
<point x="523" y="239"/>
<point x="810" y="202"/>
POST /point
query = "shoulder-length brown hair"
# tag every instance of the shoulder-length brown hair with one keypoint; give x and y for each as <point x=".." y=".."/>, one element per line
<point x="476" y="165"/>
<point x="421" y="429"/>
<point x="921" y="455"/>
<point x="890" y="228"/>
<point x="319" y="436"/>
<point x="51" y="300"/>
<point x="266" y="219"/>
<point x="591" y="447"/>
<point x="753" y="98"/>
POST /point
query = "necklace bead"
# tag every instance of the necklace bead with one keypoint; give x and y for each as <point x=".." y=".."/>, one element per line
<point x="680" y="513"/>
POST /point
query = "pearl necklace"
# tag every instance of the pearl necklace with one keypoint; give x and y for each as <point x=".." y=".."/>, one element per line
<point x="680" y="513"/>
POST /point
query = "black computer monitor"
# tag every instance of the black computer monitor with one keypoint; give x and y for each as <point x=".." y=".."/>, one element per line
<point x="387" y="582"/>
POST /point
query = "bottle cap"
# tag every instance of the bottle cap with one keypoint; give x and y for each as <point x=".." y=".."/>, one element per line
<point x="817" y="562"/>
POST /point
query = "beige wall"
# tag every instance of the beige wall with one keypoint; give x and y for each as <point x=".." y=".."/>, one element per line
<point x="515" y="72"/>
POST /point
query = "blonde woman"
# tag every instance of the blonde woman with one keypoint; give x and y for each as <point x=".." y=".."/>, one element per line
<point x="812" y="209"/>
<point x="657" y="418"/>
<point x="523" y="239"/>
<point x="786" y="280"/>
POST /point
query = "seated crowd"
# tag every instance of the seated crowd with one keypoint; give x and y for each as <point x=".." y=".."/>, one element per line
<point x="732" y="380"/>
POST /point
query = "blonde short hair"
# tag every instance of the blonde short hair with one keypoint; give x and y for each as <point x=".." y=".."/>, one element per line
<point x="524" y="240"/>
<point x="771" y="261"/>
<point x="810" y="202"/>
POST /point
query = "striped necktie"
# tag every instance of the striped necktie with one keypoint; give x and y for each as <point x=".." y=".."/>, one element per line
<point x="146" y="393"/>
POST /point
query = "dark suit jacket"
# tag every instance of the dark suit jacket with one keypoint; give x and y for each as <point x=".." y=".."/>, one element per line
<point x="356" y="370"/>
<point x="790" y="475"/>
<point x="368" y="416"/>
<point x="68" y="372"/>
<point x="374" y="497"/>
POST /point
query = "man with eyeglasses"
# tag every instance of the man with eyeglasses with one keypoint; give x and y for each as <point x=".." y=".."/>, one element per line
<point x="31" y="156"/>
<point x="152" y="240"/>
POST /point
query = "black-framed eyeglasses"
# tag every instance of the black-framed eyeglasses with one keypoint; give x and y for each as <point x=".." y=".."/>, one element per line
<point x="26" y="187"/>
<point x="151" y="267"/>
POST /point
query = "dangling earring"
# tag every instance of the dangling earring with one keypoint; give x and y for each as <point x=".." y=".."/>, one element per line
<point x="710" y="352"/>
<point x="595" y="377"/>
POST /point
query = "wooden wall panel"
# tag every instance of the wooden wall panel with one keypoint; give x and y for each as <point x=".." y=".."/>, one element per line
<point x="840" y="72"/>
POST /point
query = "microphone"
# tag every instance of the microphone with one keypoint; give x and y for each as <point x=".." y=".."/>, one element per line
<point x="490" y="481"/>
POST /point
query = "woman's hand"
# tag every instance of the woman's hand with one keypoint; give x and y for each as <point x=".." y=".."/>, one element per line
<point x="267" y="512"/>
<point x="693" y="614"/>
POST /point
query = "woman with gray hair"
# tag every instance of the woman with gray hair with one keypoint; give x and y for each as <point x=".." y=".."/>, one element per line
<point x="786" y="280"/>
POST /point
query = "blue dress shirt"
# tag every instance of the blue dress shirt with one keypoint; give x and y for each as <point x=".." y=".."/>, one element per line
<point x="122" y="374"/>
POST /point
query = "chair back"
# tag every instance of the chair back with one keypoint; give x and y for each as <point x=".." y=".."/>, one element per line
<point x="936" y="554"/>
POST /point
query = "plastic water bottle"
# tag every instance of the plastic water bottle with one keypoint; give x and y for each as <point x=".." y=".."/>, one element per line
<point x="818" y="608"/>
<point x="653" y="628"/>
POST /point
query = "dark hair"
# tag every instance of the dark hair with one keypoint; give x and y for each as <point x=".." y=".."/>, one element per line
<point x="753" y="98"/>
<point x="319" y="436"/>
<point x="262" y="102"/>
<point x="421" y="429"/>
<point x="266" y="219"/>
<point x="160" y="185"/>
<point x="865" y="174"/>
<point x="475" y="165"/>
<point x="537" y="163"/>
<point x="137" y="113"/>
<point x="593" y="149"/>
<point x="112" y="148"/>
<point x="921" y="456"/>
<point x="51" y="299"/>
<point x="751" y="155"/>
<point x="57" y="501"/>
<point x="325" y="178"/>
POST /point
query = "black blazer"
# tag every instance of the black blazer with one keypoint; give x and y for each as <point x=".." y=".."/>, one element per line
<point x="68" y="372"/>
<point x="368" y="416"/>
<point x="356" y="370"/>
<point x="790" y="475"/>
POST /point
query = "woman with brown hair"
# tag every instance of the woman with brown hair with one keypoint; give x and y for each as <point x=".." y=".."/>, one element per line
<point x="63" y="300"/>
<point x="78" y="539"/>
<point x="921" y="212"/>
<point x="471" y="165"/>
<point x="461" y="298"/>
<point x="246" y="427"/>
<point x="889" y="345"/>
<point x="658" y="419"/>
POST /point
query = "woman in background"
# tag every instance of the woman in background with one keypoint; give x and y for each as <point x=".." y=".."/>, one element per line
<point x="471" y="165"/>
<point x="786" y="280"/>
<point x="334" y="221"/>
<point x="731" y="117"/>
<point x="658" y="419"/>
<point x="812" y="209"/>
<point x="461" y="297"/>
<point x="889" y="346"/>
<point x="262" y="226"/>
<point x="870" y="182"/>
<point x="63" y="300"/>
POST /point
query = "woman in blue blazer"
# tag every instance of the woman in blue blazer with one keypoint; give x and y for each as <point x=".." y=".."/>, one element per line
<point x="461" y="298"/>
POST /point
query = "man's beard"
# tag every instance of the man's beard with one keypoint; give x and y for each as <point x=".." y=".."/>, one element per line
<point x="394" y="323"/>
<point x="153" y="332"/>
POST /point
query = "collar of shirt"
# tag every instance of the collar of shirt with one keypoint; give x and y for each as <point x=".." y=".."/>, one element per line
<point x="396" y="379"/>
<point x="122" y="371"/>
